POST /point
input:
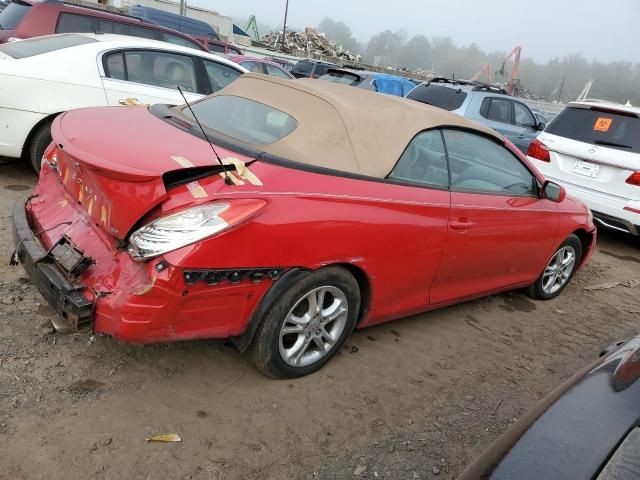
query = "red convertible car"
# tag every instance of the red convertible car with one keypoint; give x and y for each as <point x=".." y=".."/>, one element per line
<point x="316" y="209"/>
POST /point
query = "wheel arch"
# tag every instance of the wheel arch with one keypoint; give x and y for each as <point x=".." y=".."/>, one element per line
<point x="585" y="238"/>
<point x="29" y="137"/>
<point x="243" y="341"/>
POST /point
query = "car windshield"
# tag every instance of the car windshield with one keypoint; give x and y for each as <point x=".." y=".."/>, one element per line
<point x="441" y="97"/>
<point x="12" y="14"/>
<point x="40" y="45"/>
<point x="242" y="119"/>
<point x="597" y="126"/>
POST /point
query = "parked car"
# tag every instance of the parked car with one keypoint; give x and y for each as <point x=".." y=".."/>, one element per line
<point x="286" y="64"/>
<point x="304" y="218"/>
<point x="377" y="82"/>
<point x="486" y="104"/>
<point x="44" y="76"/>
<point x="593" y="149"/>
<point x="311" y="68"/>
<point x="587" y="428"/>
<point x="33" y="18"/>
<point x="181" y="23"/>
<point x="260" y="65"/>
<point x="218" y="46"/>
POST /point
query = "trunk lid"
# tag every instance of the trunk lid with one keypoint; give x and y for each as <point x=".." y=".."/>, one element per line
<point x="112" y="161"/>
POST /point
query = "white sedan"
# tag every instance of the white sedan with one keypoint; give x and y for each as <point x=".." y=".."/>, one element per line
<point x="45" y="76"/>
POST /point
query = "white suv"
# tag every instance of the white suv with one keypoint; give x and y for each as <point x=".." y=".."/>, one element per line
<point x="593" y="149"/>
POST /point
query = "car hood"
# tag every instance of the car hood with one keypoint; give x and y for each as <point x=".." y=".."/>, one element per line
<point x="120" y="161"/>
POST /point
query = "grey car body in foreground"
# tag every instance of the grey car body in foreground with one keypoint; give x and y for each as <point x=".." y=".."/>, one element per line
<point x="587" y="428"/>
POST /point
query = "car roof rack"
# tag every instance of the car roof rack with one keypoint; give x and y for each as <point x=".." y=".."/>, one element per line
<point x="485" y="87"/>
<point x="452" y="81"/>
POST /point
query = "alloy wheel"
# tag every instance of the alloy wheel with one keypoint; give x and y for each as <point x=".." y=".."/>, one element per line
<point x="313" y="326"/>
<point x="559" y="270"/>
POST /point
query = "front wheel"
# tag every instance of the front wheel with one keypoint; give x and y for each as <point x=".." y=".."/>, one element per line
<point x="307" y="325"/>
<point x="559" y="271"/>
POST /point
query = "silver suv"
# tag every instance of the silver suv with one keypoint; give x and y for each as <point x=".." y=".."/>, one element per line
<point x="485" y="104"/>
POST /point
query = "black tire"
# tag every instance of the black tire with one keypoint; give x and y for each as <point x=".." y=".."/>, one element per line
<point x="536" y="290"/>
<point x="265" y="349"/>
<point x="39" y="142"/>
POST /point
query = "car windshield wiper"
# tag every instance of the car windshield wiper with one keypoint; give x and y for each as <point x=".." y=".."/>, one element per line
<point x="611" y="144"/>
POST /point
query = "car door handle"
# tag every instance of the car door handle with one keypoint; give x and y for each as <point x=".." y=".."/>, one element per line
<point x="461" y="224"/>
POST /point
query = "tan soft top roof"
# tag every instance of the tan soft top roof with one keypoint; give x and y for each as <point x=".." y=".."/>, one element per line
<point x="342" y="127"/>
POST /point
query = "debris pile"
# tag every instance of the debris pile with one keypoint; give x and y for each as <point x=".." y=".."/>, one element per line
<point x="310" y="41"/>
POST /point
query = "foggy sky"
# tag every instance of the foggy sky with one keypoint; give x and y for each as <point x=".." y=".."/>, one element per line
<point x="604" y="30"/>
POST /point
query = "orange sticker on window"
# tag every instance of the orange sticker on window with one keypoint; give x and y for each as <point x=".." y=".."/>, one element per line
<point x="602" y="124"/>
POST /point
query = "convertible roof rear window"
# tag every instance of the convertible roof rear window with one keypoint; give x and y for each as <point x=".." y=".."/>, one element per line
<point x="243" y="119"/>
<point x="40" y="45"/>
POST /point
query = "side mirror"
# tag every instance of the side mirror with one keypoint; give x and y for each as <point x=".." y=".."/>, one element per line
<point x="541" y="126"/>
<point x="552" y="191"/>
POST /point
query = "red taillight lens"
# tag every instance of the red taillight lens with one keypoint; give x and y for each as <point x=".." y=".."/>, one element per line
<point x="539" y="151"/>
<point x="634" y="179"/>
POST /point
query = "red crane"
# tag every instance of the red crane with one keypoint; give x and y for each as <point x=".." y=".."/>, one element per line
<point x="515" y="53"/>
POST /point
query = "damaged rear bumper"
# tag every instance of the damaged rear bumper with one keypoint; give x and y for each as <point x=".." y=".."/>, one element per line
<point x="74" y="309"/>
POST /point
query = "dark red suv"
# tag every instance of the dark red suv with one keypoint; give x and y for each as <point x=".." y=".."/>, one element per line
<point x="30" y="18"/>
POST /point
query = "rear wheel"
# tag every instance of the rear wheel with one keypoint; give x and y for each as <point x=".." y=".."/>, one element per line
<point x="308" y="324"/>
<point x="559" y="271"/>
<point x="39" y="142"/>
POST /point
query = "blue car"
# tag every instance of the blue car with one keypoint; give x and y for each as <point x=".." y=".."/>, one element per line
<point x="377" y="82"/>
<point x="485" y="104"/>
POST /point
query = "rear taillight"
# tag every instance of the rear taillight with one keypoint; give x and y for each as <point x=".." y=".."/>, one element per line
<point x="634" y="179"/>
<point x="539" y="151"/>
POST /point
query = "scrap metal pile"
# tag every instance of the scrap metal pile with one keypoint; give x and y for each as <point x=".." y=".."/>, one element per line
<point x="310" y="41"/>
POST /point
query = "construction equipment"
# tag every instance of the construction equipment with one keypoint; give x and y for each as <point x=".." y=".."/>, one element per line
<point x="252" y="28"/>
<point x="515" y="53"/>
<point x="485" y="69"/>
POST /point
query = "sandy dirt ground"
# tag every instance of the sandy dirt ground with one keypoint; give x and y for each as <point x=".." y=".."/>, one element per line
<point x="415" y="398"/>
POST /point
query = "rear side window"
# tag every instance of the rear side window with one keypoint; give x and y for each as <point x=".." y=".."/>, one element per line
<point x="73" y="23"/>
<point x="40" y="45"/>
<point x="243" y="119"/>
<point x="496" y="109"/>
<point x="424" y="162"/>
<point x="598" y="127"/>
<point x="441" y="97"/>
<point x="12" y="15"/>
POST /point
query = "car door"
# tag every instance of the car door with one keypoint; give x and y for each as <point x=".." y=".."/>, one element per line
<point x="526" y="124"/>
<point x="149" y="77"/>
<point x="501" y="232"/>
<point x="422" y="177"/>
